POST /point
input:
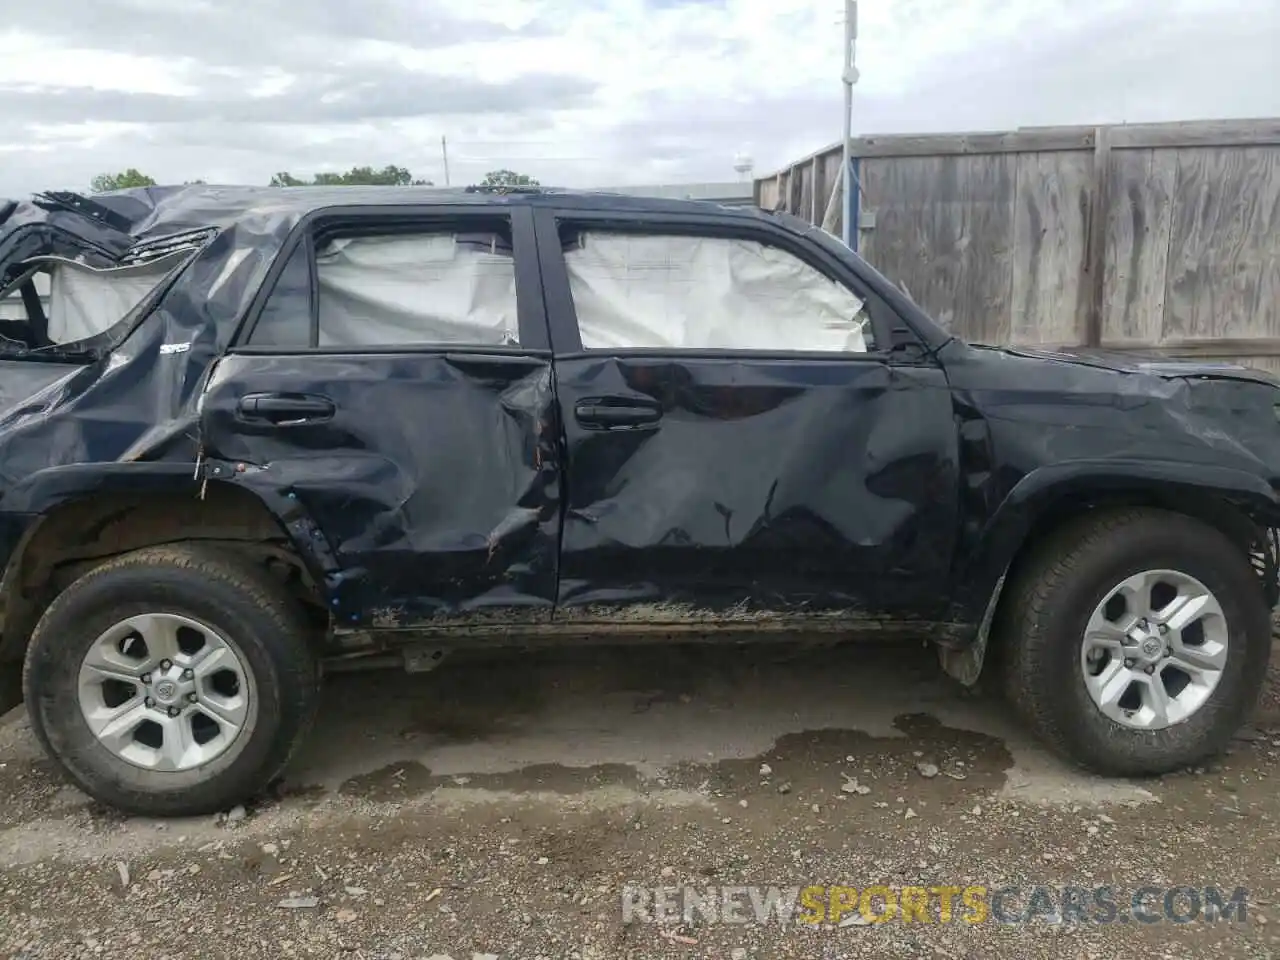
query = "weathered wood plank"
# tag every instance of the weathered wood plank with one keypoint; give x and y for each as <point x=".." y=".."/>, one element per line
<point x="766" y="193"/>
<point x="1028" y="139"/>
<point x="795" y="191"/>
<point x="824" y="152"/>
<point x="986" y="229"/>
<point x="833" y="215"/>
<point x="1045" y="139"/>
<point x="803" y="176"/>
<point x="1141" y="185"/>
<point x="785" y="191"/>
<point x="833" y="203"/>
<point x="944" y="229"/>
<point x="816" y="195"/>
<point x="1095" y="255"/>
<point x="1197" y="133"/>
<point x="771" y="192"/>
<point x="1223" y="277"/>
<point x="1049" y="300"/>
<point x="831" y="169"/>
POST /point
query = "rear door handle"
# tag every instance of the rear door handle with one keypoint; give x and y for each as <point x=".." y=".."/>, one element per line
<point x="285" y="408"/>
<point x="616" y="413"/>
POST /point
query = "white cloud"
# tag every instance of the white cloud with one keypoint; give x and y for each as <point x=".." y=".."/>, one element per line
<point x="612" y="91"/>
<point x="26" y="58"/>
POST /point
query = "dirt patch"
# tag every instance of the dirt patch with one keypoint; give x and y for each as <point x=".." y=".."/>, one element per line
<point x="401" y="781"/>
<point x="704" y="770"/>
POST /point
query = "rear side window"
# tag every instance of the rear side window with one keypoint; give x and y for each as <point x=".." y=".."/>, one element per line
<point x="59" y="303"/>
<point x="395" y="289"/>
<point x="25" y="305"/>
<point x="633" y="290"/>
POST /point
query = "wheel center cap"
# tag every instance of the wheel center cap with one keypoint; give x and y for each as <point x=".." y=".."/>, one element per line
<point x="166" y="691"/>
<point x="1152" y="647"/>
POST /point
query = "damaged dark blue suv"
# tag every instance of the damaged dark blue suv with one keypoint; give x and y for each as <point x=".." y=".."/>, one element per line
<point x="248" y="434"/>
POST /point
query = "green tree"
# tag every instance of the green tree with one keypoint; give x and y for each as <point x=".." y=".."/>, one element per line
<point x="388" y="176"/>
<point x="508" y="178"/>
<point x="132" y="177"/>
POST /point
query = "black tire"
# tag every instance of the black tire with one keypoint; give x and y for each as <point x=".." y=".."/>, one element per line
<point x="1043" y="626"/>
<point x="208" y="584"/>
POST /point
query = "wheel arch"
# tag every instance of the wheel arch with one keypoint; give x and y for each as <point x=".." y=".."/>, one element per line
<point x="79" y="516"/>
<point x="1241" y="504"/>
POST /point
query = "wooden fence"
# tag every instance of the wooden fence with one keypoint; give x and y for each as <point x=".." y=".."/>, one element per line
<point x="1162" y="238"/>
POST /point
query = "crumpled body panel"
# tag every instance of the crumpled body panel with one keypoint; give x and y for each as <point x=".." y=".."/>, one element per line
<point x="129" y="393"/>
<point x="1042" y="412"/>
<point x="462" y="494"/>
<point x="824" y="487"/>
<point x="435" y="484"/>
<point x="1041" y="431"/>
<point x="135" y="403"/>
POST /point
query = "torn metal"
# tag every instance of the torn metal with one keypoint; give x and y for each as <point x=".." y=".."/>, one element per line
<point x="368" y="498"/>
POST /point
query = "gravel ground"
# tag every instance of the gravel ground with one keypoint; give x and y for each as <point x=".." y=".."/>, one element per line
<point x="498" y="807"/>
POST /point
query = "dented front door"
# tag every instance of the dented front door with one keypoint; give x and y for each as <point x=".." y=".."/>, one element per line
<point x="740" y="487"/>
<point x="428" y="474"/>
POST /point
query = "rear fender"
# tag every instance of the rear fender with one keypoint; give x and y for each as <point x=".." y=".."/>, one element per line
<point x="85" y="509"/>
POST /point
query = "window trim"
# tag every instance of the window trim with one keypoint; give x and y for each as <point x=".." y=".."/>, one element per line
<point x="562" y="314"/>
<point x="530" y="313"/>
<point x="258" y="305"/>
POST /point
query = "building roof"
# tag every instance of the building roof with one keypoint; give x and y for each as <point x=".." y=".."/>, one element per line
<point x="729" y="193"/>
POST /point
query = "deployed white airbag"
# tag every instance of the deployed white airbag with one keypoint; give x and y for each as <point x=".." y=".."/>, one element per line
<point x="413" y="289"/>
<point x="634" y="290"/>
<point x="85" y="301"/>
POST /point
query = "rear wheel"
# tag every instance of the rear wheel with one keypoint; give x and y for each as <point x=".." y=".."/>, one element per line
<point x="171" y="681"/>
<point x="1136" y="642"/>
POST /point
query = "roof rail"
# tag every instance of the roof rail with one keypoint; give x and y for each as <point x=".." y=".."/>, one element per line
<point x="90" y="209"/>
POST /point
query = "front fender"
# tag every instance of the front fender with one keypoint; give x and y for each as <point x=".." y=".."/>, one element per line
<point x="1047" y="488"/>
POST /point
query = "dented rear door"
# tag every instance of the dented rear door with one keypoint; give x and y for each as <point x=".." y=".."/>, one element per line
<point x="422" y="465"/>
<point x="738" y="485"/>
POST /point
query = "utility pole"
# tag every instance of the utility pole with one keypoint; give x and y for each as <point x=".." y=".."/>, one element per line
<point x="850" y="77"/>
<point x="444" y="153"/>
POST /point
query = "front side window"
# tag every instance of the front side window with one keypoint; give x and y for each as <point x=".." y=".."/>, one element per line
<point x="633" y="290"/>
<point x="396" y="289"/>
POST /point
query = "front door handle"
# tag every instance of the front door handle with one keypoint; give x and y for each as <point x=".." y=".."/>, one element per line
<point x="285" y="408"/>
<point x="616" y="413"/>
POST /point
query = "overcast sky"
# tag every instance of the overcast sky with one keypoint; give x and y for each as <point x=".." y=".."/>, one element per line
<point x="585" y="92"/>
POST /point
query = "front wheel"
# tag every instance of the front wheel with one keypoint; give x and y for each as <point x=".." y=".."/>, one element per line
<point x="171" y="681"/>
<point x="1136" y="642"/>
